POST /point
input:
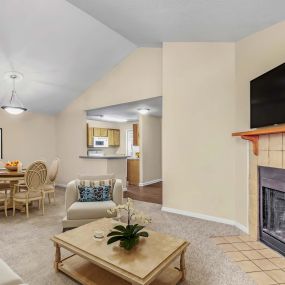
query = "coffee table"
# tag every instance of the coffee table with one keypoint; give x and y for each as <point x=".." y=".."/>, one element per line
<point x="93" y="262"/>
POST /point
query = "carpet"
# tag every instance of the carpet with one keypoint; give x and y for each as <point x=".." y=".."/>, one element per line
<point x="25" y="245"/>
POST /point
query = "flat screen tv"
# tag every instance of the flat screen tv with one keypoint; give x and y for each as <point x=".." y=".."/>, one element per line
<point x="267" y="98"/>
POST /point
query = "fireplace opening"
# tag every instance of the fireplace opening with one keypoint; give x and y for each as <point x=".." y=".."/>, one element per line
<point x="272" y="207"/>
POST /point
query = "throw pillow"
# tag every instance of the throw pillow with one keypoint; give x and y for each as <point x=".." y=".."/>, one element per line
<point x="94" y="194"/>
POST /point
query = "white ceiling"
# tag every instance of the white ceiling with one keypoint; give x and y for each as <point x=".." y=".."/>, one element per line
<point x="150" y="22"/>
<point x="127" y="111"/>
<point x="58" y="48"/>
<point x="62" y="49"/>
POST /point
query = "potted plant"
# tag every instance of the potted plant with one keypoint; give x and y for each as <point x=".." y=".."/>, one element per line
<point x="128" y="235"/>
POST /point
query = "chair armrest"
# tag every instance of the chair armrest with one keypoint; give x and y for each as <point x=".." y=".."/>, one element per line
<point x="118" y="192"/>
<point x="71" y="194"/>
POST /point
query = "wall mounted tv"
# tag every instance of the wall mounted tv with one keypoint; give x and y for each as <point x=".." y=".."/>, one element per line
<point x="267" y="98"/>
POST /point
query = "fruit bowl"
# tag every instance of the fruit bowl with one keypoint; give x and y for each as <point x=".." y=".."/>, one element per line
<point x="12" y="165"/>
<point x="11" y="168"/>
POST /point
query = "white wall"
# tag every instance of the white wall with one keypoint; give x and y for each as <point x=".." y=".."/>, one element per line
<point x="28" y="137"/>
<point x="198" y="118"/>
<point x="150" y="148"/>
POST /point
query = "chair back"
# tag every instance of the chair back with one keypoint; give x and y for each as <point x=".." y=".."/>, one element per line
<point x="53" y="170"/>
<point x="36" y="175"/>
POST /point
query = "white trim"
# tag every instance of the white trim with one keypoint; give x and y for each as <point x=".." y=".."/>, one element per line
<point x="61" y="185"/>
<point x="205" y="217"/>
<point x="150" y="182"/>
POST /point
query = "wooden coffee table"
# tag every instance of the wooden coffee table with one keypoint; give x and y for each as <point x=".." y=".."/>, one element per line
<point x="93" y="262"/>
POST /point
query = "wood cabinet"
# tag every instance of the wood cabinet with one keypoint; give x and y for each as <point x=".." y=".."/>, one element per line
<point x="90" y="136"/>
<point x="117" y="137"/>
<point x="136" y="135"/>
<point x="114" y="137"/>
<point x="112" y="134"/>
<point x="103" y="132"/>
<point x="133" y="171"/>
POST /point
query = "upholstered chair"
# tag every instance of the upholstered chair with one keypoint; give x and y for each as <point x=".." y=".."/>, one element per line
<point x="49" y="187"/>
<point x="80" y="213"/>
<point x="35" y="178"/>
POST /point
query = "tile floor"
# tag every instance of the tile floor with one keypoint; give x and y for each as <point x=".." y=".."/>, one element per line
<point x="264" y="265"/>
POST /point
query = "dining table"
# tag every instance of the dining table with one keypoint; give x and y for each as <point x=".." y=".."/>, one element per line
<point x="12" y="178"/>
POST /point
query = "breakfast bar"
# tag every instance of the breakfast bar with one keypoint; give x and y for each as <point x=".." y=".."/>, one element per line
<point x="111" y="164"/>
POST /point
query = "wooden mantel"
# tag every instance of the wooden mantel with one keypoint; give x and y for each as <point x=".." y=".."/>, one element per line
<point x="253" y="135"/>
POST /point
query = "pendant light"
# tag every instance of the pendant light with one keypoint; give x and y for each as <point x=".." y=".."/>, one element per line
<point x="14" y="106"/>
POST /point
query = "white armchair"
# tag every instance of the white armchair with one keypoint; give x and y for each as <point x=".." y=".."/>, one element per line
<point x="80" y="213"/>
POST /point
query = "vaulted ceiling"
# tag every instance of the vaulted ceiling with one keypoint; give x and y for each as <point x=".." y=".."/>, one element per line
<point x="151" y="22"/>
<point x="62" y="47"/>
<point x="58" y="48"/>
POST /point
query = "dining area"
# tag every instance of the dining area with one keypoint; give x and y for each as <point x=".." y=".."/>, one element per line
<point x="22" y="188"/>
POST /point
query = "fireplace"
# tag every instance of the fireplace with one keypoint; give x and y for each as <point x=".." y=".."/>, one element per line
<point x="272" y="207"/>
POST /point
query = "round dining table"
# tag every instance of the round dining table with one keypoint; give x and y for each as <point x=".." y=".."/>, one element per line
<point x="11" y="177"/>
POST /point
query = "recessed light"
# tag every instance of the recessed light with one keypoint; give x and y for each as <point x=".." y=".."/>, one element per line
<point x="143" y="111"/>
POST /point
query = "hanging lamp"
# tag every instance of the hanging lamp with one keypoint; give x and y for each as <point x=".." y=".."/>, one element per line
<point x="14" y="106"/>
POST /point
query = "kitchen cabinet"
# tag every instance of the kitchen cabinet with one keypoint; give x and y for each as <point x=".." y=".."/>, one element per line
<point x="136" y="135"/>
<point x="90" y="136"/>
<point x="133" y="171"/>
<point x="114" y="137"/>
<point x="117" y="137"/>
<point x="96" y="132"/>
<point x="103" y="132"/>
<point x="112" y="134"/>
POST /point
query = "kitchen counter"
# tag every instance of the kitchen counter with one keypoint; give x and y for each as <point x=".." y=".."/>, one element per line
<point x="104" y="157"/>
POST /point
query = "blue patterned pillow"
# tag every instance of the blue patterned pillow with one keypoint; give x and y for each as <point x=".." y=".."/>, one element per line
<point x="94" y="194"/>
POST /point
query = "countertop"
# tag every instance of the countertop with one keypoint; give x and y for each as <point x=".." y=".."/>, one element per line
<point x="104" y="157"/>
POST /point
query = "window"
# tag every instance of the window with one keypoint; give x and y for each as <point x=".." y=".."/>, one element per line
<point x="129" y="145"/>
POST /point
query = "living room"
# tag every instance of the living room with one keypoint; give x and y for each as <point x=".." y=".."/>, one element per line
<point x="200" y="57"/>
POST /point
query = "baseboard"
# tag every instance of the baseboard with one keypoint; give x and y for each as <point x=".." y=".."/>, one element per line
<point x="206" y="217"/>
<point x="150" y="182"/>
<point x="61" y="185"/>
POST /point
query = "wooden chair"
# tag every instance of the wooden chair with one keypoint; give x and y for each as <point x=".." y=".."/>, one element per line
<point x="49" y="187"/>
<point x="35" y="178"/>
<point x="4" y="199"/>
<point x="4" y="187"/>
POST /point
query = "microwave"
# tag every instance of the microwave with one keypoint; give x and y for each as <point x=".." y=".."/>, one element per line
<point x="101" y="142"/>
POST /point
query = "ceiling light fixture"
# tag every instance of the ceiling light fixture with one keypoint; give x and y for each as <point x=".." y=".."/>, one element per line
<point x="143" y="111"/>
<point x="14" y="106"/>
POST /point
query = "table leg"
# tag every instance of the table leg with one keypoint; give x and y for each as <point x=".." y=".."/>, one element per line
<point x="57" y="258"/>
<point x="182" y="265"/>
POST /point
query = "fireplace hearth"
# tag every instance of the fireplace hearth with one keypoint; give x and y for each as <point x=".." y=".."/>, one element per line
<point x="272" y="207"/>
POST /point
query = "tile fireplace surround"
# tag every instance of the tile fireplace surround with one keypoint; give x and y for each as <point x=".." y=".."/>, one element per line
<point x="271" y="154"/>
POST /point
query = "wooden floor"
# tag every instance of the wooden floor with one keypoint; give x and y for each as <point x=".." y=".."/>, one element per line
<point x="151" y="193"/>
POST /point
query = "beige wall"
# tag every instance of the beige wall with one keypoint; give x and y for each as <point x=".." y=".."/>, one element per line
<point x="28" y="137"/>
<point x="135" y="78"/>
<point x="198" y="118"/>
<point x="255" y="55"/>
<point x="150" y="148"/>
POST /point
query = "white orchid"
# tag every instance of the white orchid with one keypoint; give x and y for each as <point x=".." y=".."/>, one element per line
<point x="133" y="215"/>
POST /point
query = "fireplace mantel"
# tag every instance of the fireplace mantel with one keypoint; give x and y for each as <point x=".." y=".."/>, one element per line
<point x="253" y="135"/>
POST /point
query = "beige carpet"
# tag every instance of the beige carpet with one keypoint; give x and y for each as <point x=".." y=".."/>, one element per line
<point x="25" y="245"/>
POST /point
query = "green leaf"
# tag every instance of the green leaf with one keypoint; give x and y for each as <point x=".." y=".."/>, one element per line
<point x="138" y="228"/>
<point x="114" y="239"/>
<point x="143" y="234"/>
<point x="120" y="228"/>
<point x="114" y="233"/>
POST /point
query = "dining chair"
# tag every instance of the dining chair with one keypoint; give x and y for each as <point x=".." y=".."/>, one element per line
<point x="4" y="199"/>
<point x="5" y="187"/>
<point x="49" y="187"/>
<point x="35" y="178"/>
